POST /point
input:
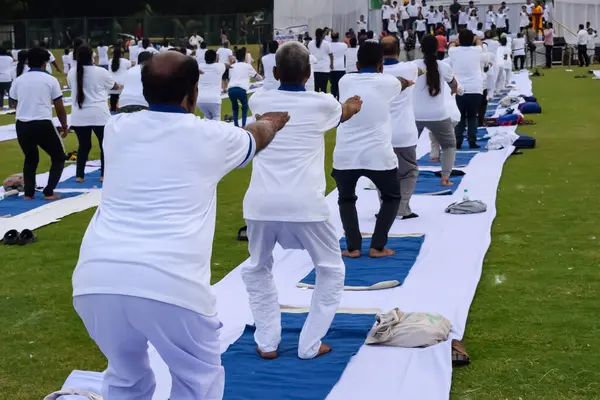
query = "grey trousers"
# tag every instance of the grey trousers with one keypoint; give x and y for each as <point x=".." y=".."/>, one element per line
<point x="443" y="132"/>
<point x="408" y="172"/>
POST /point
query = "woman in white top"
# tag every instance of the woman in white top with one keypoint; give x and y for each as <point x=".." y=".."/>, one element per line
<point x="72" y="56"/>
<point x="523" y="18"/>
<point x="21" y="66"/>
<point x="90" y="86"/>
<point x="463" y="19"/>
<point x="431" y="110"/>
<point x="65" y="61"/>
<point x="321" y="49"/>
<point x="240" y="74"/>
<point x="420" y="27"/>
<point x="352" y="56"/>
<point x="200" y="54"/>
<point x="518" y="48"/>
<point x="268" y="63"/>
<point x="118" y="69"/>
<point x="209" y="86"/>
<point x="6" y="66"/>
<point x="103" y="55"/>
<point x="473" y="21"/>
<point x="338" y="50"/>
<point x="504" y="65"/>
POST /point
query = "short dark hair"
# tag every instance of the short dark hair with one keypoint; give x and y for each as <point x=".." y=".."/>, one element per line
<point x="170" y="88"/>
<point x="144" y="57"/>
<point x="480" y="25"/>
<point x="210" y="56"/>
<point x="465" y="37"/>
<point x="581" y="26"/>
<point x="3" y="51"/>
<point x="67" y="51"/>
<point x="370" y="35"/>
<point x="37" y="56"/>
<point x="273" y="46"/>
<point x="353" y="42"/>
<point x="203" y="45"/>
<point x="240" y="55"/>
<point x="145" y="43"/>
<point x="391" y="47"/>
<point x="370" y="55"/>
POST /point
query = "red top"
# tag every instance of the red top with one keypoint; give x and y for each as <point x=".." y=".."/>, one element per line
<point x="442" y="43"/>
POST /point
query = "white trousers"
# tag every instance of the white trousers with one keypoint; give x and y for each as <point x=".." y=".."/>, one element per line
<point x="504" y="78"/>
<point x="321" y="242"/>
<point x="211" y="111"/>
<point x="188" y="343"/>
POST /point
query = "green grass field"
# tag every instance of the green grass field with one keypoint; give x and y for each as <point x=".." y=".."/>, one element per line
<point x="532" y="331"/>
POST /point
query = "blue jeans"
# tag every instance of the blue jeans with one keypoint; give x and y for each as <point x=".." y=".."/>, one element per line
<point x="239" y="96"/>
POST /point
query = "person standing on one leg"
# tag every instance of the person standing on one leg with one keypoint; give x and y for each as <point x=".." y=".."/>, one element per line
<point x="285" y="204"/>
<point x="404" y="128"/>
<point x="364" y="148"/>
<point x="118" y="70"/>
<point x="549" y="43"/>
<point x="158" y="220"/>
<point x="338" y="50"/>
<point x="582" y="39"/>
<point x="240" y="74"/>
<point x="34" y="93"/>
<point x="90" y="111"/>
<point x="467" y="58"/>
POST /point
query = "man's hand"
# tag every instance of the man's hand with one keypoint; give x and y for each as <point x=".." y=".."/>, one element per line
<point x="405" y="83"/>
<point x="351" y="107"/>
<point x="422" y="71"/>
<point x="278" y="119"/>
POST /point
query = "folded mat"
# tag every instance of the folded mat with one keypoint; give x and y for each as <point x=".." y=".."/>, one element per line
<point x="247" y="376"/>
<point x="429" y="183"/>
<point x="15" y="205"/>
<point x="463" y="158"/>
<point x="92" y="181"/>
<point x="367" y="273"/>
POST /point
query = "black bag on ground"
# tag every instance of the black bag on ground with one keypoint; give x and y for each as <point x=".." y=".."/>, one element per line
<point x="525" y="142"/>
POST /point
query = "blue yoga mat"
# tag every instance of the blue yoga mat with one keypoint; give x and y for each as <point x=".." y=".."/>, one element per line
<point x="463" y="158"/>
<point x="248" y="377"/>
<point x="366" y="272"/>
<point x="429" y="183"/>
<point x="15" y="205"/>
<point x="92" y="181"/>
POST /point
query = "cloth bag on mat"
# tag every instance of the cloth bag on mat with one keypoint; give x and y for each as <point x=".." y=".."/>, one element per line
<point x="400" y="329"/>
<point x="467" y="207"/>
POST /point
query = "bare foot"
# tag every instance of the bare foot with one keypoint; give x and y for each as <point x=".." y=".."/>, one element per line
<point x="434" y="159"/>
<point x="324" y="349"/>
<point x="79" y="180"/>
<point x="374" y="253"/>
<point x="53" y="197"/>
<point x="447" y="182"/>
<point x="28" y="198"/>
<point x="269" y="355"/>
<point x="351" y="254"/>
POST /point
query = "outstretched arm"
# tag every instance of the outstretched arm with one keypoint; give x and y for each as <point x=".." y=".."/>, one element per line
<point x="266" y="127"/>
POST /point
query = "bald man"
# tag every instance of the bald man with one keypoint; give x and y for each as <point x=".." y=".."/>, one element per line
<point x="144" y="267"/>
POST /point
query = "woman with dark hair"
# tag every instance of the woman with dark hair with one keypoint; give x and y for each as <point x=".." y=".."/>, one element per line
<point x="209" y="86"/>
<point x="21" y="66"/>
<point x="103" y="55"/>
<point x="240" y="74"/>
<point x="118" y="69"/>
<point x="73" y="55"/>
<point x="352" y="56"/>
<point x="338" y="50"/>
<point x="321" y="49"/>
<point x="432" y="111"/>
<point x="89" y="85"/>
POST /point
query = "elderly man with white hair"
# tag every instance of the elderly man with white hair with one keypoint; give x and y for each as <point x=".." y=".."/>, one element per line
<point x="285" y="204"/>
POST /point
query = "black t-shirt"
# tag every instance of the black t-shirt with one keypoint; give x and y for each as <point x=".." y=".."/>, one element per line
<point x="455" y="8"/>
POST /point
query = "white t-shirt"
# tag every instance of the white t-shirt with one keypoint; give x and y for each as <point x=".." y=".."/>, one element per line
<point x="148" y="49"/>
<point x="102" y="55"/>
<point x="35" y="92"/>
<point x="430" y="108"/>
<point x="582" y="37"/>
<point x="6" y="67"/>
<point x="479" y="34"/>
<point x="404" y="129"/>
<point x="351" y="59"/>
<point x="492" y="48"/>
<point x="96" y="84"/>
<point x="393" y="26"/>
<point x="223" y="55"/>
<point x="119" y="74"/>
<point x="310" y="84"/>
<point x="268" y="63"/>
<point x="463" y="18"/>
<point x="133" y="90"/>
<point x="339" y="53"/>
<point x="519" y="46"/>
<point x="523" y="19"/>
<point x="529" y="8"/>
<point x="49" y="63"/>
<point x="421" y="25"/>
<point x="65" y="60"/>
<point x="152" y="234"/>
<point x="503" y="57"/>
<point x="466" y="66"/>
<point x="365" y="141"/>
<point x="501" y="20"/>
<point x="134" y="50"/>
<point x="288" y="178"/>
<point x="15" y="54"/>
<point x="431" y="17"/>
<point x="386" y="11"/>
<point x="403" y="13"/>
<point x="412" y="10"/>
<point x="209" y="84"/>
<point x="201" y="56"/>
<point x="490" y="18"/>
<point x="472" y="24"/>
<point x="13" y="72"/>
<point x="240" y="74"/>
<point x="361" y="25"/>
<point x="322" y="54"/>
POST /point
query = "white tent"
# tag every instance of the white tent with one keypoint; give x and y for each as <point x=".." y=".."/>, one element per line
<point x="572" y="13"/>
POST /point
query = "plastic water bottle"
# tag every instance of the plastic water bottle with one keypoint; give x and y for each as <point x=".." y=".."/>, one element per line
<point x="466" y="195"/>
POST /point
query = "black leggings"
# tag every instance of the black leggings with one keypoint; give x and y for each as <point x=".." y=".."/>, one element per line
<point x="335" y="79"/>
<point x="519" y="60"/>
<point x="114" y="101"/>
<point x="43" y="134"/>
<point x="4" y="87"/>
<point x="321" y="81"/>
<point x="84" y="135"/>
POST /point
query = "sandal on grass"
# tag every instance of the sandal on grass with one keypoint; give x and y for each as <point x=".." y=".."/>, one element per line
<point x="460" y="358"/>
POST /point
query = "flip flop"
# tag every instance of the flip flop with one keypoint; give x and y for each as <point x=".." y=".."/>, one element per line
<point x="26" y="237"/>
<point x="242" y="235"/>
<point x="11" y="237"/>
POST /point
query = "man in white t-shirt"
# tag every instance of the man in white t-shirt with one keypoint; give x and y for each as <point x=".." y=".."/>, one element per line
<point x="147" y="47"/>
<point x="103" y="55"/>
<point x="386" y="11"/>
<point x="196" y="40"/>
<point x="158" y="220"/>
<point x="268" y="63"/>
<point x="132" y="97"/>
<point x="466" y="58"/>
<point x="413" y="12"/>
<point x="364" y="148"/>
<point x="201" y="53"/>
<point x="224" y="56"/>
<point x="209" y="86"/>
<point x="582" y="40"/>
<point x="133" y="52"/>
<point x="529" y="7"/>
<point x="404" y="129"/>
<point x="286" y="204"/>
<point x="362" y="24"/>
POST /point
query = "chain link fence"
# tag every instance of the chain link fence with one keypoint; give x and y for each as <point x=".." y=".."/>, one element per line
<point x="252" y="28"/>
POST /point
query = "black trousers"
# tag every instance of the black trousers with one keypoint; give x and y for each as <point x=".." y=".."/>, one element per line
<point x="469" y="106"/>
<point x="483" y="109"/>
<point x="335" y="80"/>
<point x="32" y="135"/>
<point x="84" y="135"/>
<point x="321" y="81"/>
<point x="388" y="184"/>
<point x="114" y="101"/>
<point x="582" y="54"/>
<point x="441" y="55"/>
<point x="548" y="55"/>
<point x="454" y="21"/>
<point x="385" y="24"/>
<point x="519" y="60"/>
<point x="4" y="88"/>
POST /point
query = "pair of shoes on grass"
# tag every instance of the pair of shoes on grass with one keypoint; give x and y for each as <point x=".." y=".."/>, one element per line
<point x="14" y="237"/>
